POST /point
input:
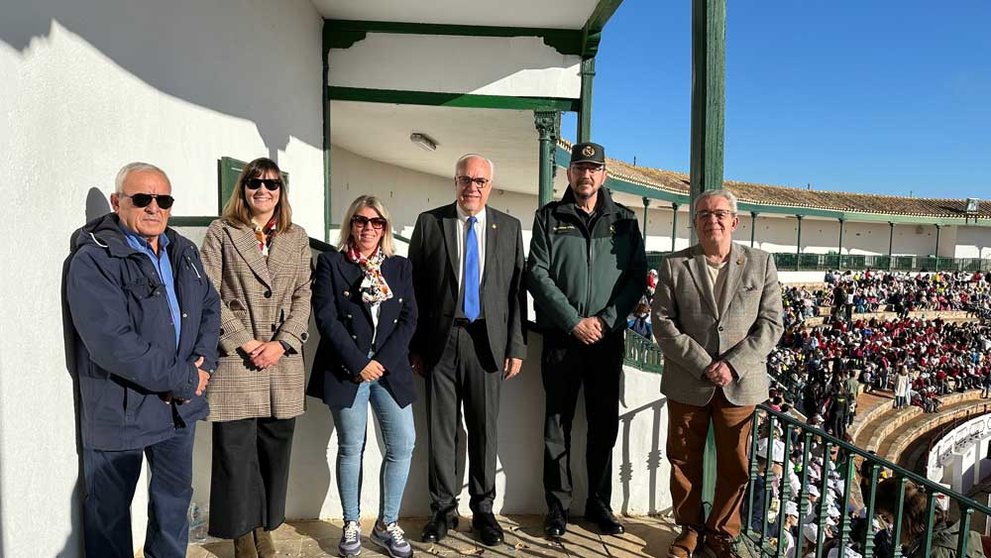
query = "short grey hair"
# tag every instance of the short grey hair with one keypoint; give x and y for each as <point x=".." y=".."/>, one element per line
<point x="717" y="193"/>
<point x="464" y="158"/>
<point x="136" y="166"/>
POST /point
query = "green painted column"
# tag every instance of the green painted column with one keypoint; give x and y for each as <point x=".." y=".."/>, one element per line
<point x="708" y="96"/>
<point x="646" y="203"/>
<point x="753" y="227"/>
<point x="708" y="118"/>
<point x="798" y="244"/>
<point x="937" y="247"/>
<point x="585" y="115"/>
<point x="839" y="246"/>
<point x="674" y="224"/>
<point x="891" y="241"/>
<point x="327" y="215"/>
<point x="548" y="125"/>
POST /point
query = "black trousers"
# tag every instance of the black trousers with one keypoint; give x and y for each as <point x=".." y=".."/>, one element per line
<point x="568" y="364"/>
<point x="110" y="479"/>
<point x="465" y="374"/>
<point x="250" y="475"/>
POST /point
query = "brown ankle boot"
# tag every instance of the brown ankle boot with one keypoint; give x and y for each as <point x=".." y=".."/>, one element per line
<point x="264" y="544"/>
<point x="244" y="546"/>
<point x="685" y="544"/>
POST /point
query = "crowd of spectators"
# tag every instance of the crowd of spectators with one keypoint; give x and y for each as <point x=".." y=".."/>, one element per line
<point x="820" y="369"/>
<point x="778" y="510"/>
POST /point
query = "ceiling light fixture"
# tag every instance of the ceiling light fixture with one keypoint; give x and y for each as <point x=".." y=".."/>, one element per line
<point x="424" y="141"/>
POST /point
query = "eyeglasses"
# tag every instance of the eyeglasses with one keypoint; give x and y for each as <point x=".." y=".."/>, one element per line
<point x="271" y="184"/>
<point x="590" y="167"/>
<point x="719" y="214"/>
<point x="165" y="201"/>
<point x="377" y="223"/>
<point x="465" y="181"/>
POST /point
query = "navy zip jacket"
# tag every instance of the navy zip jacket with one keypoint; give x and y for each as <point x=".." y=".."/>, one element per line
<point x="125" y="348"/>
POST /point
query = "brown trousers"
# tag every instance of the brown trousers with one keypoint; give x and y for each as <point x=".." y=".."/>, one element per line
<point x="688" y="427"/>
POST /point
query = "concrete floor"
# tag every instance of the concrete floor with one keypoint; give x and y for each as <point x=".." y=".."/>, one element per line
<point x="645" y="536"/>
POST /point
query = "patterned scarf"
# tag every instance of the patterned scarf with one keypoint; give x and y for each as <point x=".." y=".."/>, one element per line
<point x="373" y="287"/>
<point x="264" y="235"/>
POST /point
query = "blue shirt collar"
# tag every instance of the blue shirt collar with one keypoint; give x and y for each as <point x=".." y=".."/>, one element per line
<point x="136" y="240"/>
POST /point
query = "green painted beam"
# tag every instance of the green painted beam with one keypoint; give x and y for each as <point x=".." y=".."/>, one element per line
<point x="466" y="100"/>
<point x="191" y="221"/>
<point x="340" y="33"/>
<point x="596" y="22"/>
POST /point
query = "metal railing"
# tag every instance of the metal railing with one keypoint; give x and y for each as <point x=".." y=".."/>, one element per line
<point x="789" y="261"/>
<point x="642" y="353"/>
<point x="769" y="541"/>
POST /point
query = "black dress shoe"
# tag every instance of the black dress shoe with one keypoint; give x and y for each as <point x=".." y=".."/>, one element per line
<point x="556" y="523"/>
<point x="605" y="520"/>
<point x="436" y="528"/>
<point x="488" y="528"/>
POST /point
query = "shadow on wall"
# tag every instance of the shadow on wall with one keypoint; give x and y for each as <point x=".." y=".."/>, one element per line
<point x="96" y="206"/>
<point x="194" y="51"/>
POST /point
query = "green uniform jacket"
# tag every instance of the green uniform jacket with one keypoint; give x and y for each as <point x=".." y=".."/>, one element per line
<point x="945" y="544"/>
<point x="574" y="273"/>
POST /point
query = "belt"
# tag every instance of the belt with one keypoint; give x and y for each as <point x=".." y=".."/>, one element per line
<point x="465" y="322"/>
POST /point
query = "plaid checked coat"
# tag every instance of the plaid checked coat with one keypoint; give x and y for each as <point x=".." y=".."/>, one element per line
<point x="260" y="298"/>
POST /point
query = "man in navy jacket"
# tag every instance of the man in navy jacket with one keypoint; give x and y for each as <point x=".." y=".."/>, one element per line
<point x="147" y="321"/>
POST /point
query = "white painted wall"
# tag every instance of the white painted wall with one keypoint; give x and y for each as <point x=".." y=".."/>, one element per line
<point x="964" y="455"/>
<point x="639" y="451"/>
<point x="525" y="66"/>
<point x="89" y="86"/>
<point x="407" y="193"/>
<point x="971" y="242"/>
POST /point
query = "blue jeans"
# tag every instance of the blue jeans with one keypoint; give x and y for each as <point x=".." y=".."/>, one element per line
<point x="396" y="424"/>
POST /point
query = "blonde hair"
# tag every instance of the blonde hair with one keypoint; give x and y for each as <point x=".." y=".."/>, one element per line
<point x="237" y="211"/>
<point x="386" y="242"/>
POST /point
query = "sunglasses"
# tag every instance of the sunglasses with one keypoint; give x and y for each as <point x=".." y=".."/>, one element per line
<point x="165" y="201"/>
<point x="271" y="184"/>
<point x="377" y="223"/>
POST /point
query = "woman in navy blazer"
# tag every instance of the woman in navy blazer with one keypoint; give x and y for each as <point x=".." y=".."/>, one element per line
<point x="366" y="314"/>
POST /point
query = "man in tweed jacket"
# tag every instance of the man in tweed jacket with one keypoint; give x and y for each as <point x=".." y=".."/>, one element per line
<point x="716" y="316"/>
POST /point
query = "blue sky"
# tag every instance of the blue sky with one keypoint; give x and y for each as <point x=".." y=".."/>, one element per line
<point x="873" y="96"/>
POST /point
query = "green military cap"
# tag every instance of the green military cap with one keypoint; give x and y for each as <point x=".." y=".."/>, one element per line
<point x="588" y="153"/>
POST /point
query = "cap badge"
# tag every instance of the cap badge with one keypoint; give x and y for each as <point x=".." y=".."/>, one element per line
<point x="588" y="151"/>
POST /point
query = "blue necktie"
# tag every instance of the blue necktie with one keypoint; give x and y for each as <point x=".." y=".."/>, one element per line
<point x="472" y="308"/>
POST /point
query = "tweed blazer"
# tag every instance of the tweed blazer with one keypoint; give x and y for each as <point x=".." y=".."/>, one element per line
<point x="693" y="332"/>
<point x="260" y="298"/>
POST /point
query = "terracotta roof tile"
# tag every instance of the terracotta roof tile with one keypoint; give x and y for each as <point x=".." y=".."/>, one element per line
<point x="678" y="183"/>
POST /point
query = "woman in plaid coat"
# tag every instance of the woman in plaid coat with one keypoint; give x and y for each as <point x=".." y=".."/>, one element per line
<point x="260" y="263"/>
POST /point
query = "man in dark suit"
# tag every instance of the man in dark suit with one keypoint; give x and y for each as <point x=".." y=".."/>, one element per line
<point x="467" y="275"/>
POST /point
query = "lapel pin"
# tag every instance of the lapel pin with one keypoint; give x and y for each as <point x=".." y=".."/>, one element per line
<point x="493" y="225"/>
<point x="347" y="294"/>
<point x="739" y="261"/>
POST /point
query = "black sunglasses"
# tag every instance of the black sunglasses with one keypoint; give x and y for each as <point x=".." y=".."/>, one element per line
<point x="271" y="184"/>
<point x="377" y="223"/>
<point x="165" y="201"/>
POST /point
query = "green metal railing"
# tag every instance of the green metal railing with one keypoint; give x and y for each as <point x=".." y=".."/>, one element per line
<point x="770" y="540"/>
<point x="642" y="353"/>
<point x="789" y="261"/>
